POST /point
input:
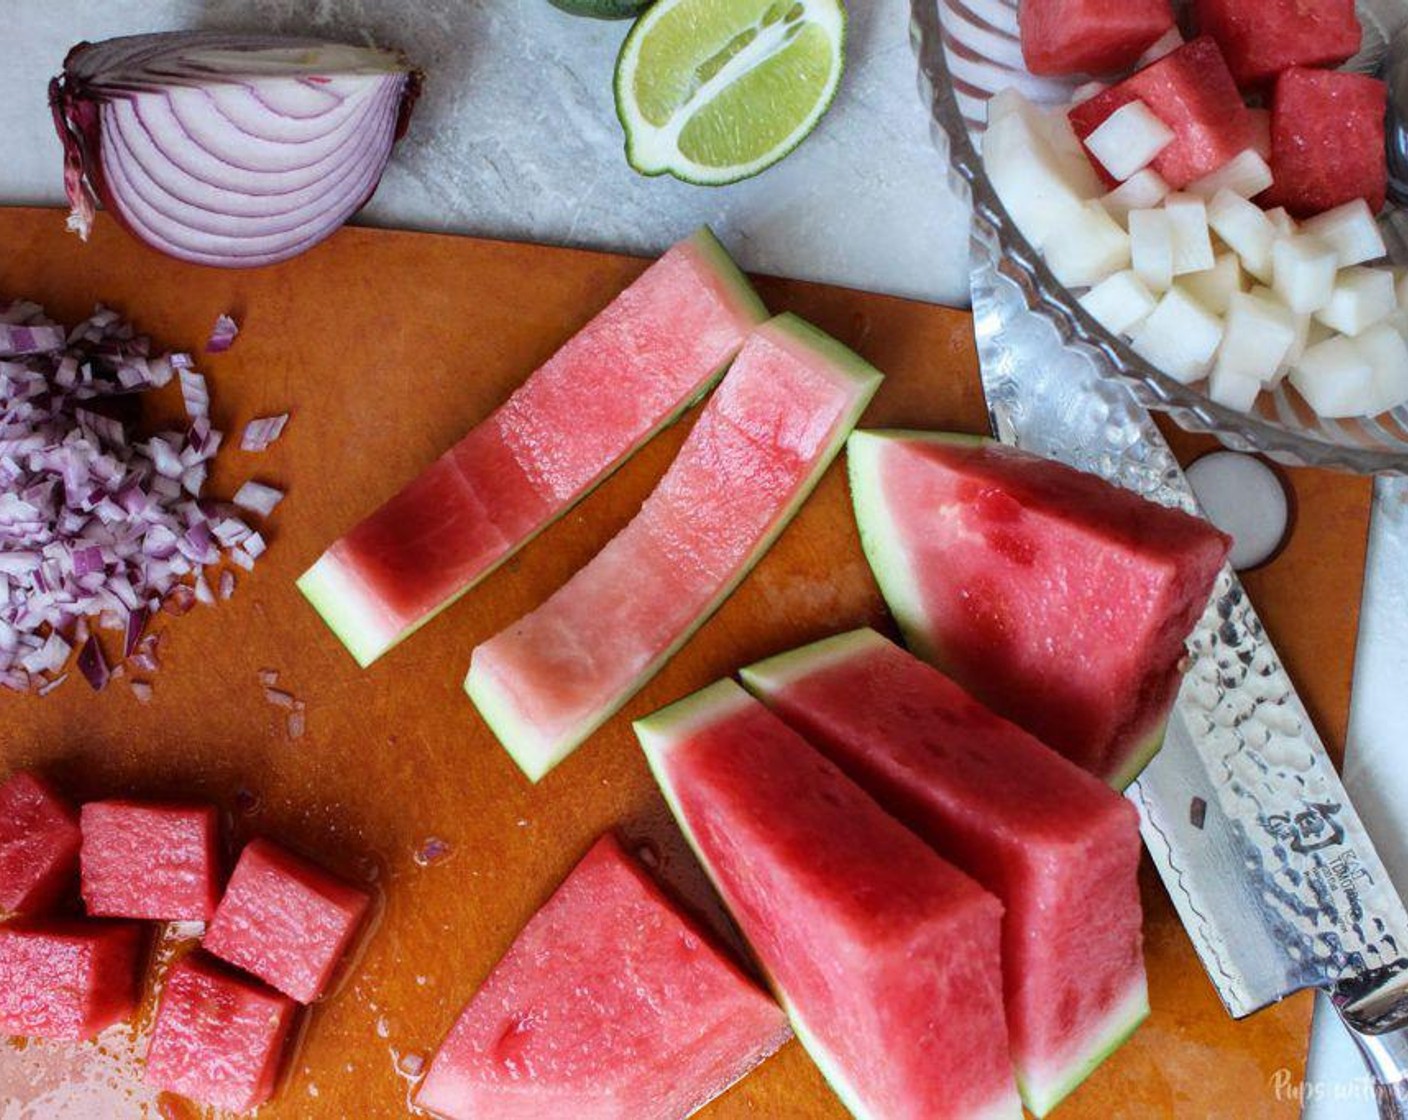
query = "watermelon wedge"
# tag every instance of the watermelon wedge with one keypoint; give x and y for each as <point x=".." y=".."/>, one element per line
<point x="885" y="957"/>
<point x="628" y="373"/>
<point x="759" y="447"/>
<point x="1059" y="848"/>
<point x="1060" y="601"/>
<point x="610" y="1005"/>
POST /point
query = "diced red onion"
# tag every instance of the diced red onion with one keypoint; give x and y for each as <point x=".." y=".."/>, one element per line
<point x="222" y="335"/>
<point x="278" y="697"/>
<point x="93" y="665"/>
<point x="261" y="432"/>
<point x="297" y="722"/>
<point x="142" y="691"/>
<point x="258" y="498"/>
<point x="227" y="584"/>
<point x="194" y="394"/>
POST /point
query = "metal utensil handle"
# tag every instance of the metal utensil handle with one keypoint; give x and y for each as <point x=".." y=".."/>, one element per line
<point x="1386" y="1055"/>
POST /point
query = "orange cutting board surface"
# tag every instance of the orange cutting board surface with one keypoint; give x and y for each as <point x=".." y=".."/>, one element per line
<point x="386" y="347"/>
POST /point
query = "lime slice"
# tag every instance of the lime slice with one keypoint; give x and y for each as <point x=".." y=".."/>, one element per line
<point x="713" y="91"/>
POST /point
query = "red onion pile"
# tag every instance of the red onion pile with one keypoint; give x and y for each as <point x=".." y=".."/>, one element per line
<point x="234" y="150"/>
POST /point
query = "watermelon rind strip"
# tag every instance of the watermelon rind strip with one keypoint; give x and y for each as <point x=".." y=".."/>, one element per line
<point x="536" y="755"/>
<point x="1140" y="758"/>
<point x="769" y="677"/>
<point x="352" y="621"/>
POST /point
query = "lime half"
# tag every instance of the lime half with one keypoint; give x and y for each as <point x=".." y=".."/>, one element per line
<point x="714" y="91"/>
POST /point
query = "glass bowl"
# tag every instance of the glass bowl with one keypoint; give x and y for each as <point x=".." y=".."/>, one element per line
<point x="968" y="50"/>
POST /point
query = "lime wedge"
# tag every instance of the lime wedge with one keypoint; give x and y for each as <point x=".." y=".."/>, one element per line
<point x="713" y="91"/>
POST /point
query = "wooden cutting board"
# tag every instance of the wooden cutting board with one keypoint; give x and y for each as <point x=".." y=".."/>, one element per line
<point x="386" y="347"/>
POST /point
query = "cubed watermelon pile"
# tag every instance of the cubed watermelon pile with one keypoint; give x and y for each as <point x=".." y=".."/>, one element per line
<point x="1090" y="36"/>
<point x="1261" y="38"/>
<point x="67" y="979"/>
<point x="153" y="861"/>
<point x="39" y="844"/>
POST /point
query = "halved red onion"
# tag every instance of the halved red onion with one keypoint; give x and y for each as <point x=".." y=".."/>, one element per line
<point x="235" y="150"/>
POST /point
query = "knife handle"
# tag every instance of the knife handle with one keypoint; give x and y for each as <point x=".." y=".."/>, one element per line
<point x="1386" y="1055"/>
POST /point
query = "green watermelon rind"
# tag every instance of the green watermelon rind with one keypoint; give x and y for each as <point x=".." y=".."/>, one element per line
<point x="517" y="735"/>
<point x="769" y="677"/>
<point x="350" y="612"/>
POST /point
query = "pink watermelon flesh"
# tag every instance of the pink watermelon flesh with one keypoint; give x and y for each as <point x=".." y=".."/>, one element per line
<point x="1057" y="599"/>
<point x="610" y="1005"/>
<point x="1090" y="36"/>
<point x="286" y="920"/>
<point x="551" y="678"/>
<point x="1058" y="847"/>
<point x="619" y="380"/>
<point x="67" y="979"/>
<point x="1327" y="141"/>
<point x="1192" y="91"/>
<point x="1260" y="38"/>
<point x="885" y="956"/>
<point x="145" y="860"/>
<point x="39" y="841"/>
<point x="219" y="1037"/>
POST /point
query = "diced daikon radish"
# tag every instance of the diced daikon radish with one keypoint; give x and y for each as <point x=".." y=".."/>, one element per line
<point x="1261" y="131"/>
<point x="1120" y="303"/>
<point x="1166" y="43"/>
<point x="1257" y="337"/>
<point x="1247" y="231"/>
<point x="1180" y="336"/>
<point x="1035" y="183"/>
<point x="1086" y="91"/>
<point x="1089" y="248"/>
<point x="1141" y="191"/>
<point x="1232" y="389"/>
<point x="1303" y="272"/>
<point x="1387" y="353"/>
<point x="1192" y="245"/>
<point x="1401" y="286"/>
<point x="1129" y="139"/>
<point x="1284" y="224"/>
<point x="1362" y="297"/>
<point x="1351" y="229"/>
<point x="1213" y="288"/>
<point x="1246" y="175"/>
<point x="1151" y="247"/>
<point x="1308" y="332"/>
<point x="1336" y="378"/>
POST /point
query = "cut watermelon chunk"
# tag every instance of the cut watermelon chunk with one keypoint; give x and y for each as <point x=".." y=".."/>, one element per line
<point x="1058" y="847"/>
<point x="144" y="860"/>
<point x="39" y="840"/>
<point x="219" y="1038"/>
<point x="628" y="373"/>
<point x="1192" y="91"/>
<point x="1327" y="142"/>
<point x="610" y="1005"/>
<point x="69" y="979"/>
<point x="1260" y="38"/>
<point x="1090" y="36"/>
<point x="884" y="956"/>
<point x="1060" y="601"/>
<point x="286" y="920"/>
<point x="757" y="450"/>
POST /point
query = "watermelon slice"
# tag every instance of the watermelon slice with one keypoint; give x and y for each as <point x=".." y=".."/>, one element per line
<point x="1192" y="91"/>
<point x="39" y="841"/>
<point x="1060" y="601"/>
<point x="885" y="957"/>
<point x="757" y="450"/>
<point x="1260" y="38"/>
<point x="1058" y="847"/>
<point x="629" y="372"/>
<point x="1090" y="36"/>
<point x="610" y="1005"/>
<point x="67" y="979"/>
<point x="145" y="860"/>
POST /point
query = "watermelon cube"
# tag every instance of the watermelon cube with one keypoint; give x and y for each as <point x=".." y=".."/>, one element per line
<point x="1192" y="91"/>
<point x="67" y="979"/>
<point x="286" y="920"/>
<point x="619" y="1005"/>
<point x="146" y="860"/>
<point x="886" y="957"/>
<point x="219" y="1038"/>
<point x="1089" y="36"/>
<point x="39" y="842"/>
<point x="1260" y="38"/>
<point x="1327" y="141"/>
<point x="1059" y="848"/>
<point x="1057" y="599"/>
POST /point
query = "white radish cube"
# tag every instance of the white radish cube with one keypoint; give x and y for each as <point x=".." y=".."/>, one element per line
<point x="1141" y="191"/>
<point x="1089" y="248"/>
<point x="1282" y="220"/>
<point x="1180" y="337"/>
<point x="1084" y="92"/>
<point x="1303" y="272"/>
<point x="1192" y="244"/>
<point x="1120" y="303"/>
<point x="1246" y="175"/>
<point x="1214" y="287"/>
<point x="1232" y="389"/>
<point x="1129" y="139"/>
<point x="1351" y="229"/>
<point x="1245" y="228"/>
<point x="1336" y="378"/>
<point x="1387" y="353"/>
<point x="1151" y="247"/>
<point x="1261" y="132"/>
<point x="1362" y="297"/>
<point x="1256" y="340"/>
<point x="1036" y="184"/>
<point x="1166" y="43"/>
